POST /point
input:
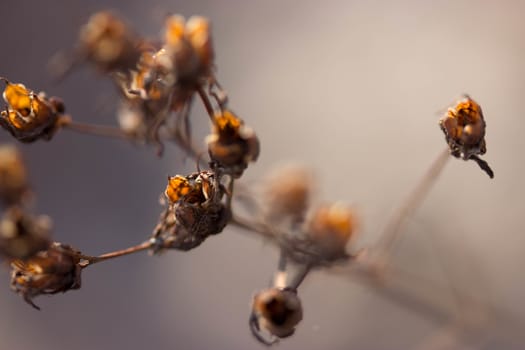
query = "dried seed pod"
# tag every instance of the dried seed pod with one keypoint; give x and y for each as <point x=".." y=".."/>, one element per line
<point x="22" y="235"/>
<point x="189" y="45"/>
<point x="195" y="212"/>
<point x="287" y="194"/>
<point x="332" y="226"/>
<point x="48" y="272"/>
<point x="29" y="116"/>
<point x="232" y="145"/>
<point x="276" y="311"/>
<point x="109" y="43"/>
<point x="13" y="176"/>
<point x="464" y="128"/>
<point x="324" y="237"/>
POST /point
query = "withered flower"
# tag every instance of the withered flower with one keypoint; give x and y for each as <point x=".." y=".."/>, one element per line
<point x="464" y="128"/>
<point x="324" y="236"/>
<point x="13" y="176"/>
<point x="48" y="272"/>
<point x="23" y="235"/>
<point x="195" y="211"/>
<point x="276" y="311"/>
<point x="29" y="116"/>
<point x="287" y="194"/>
<point x="190" y="49"/>
<point x="109" y="43"/>
<point x="232" y="145"/>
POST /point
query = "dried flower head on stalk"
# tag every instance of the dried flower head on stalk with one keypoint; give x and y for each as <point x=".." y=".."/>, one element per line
<point x="464" y="128"/>
<point x="195" y="211"/>
<point x="23" y="235"/>
<point x="14" y="186"/>
<point x="29" y="116"/>
<point x="276" y="311"/>
<point x="287" y="194"/>
<point x="50" y="271"/>
<point x="232" y="145"/>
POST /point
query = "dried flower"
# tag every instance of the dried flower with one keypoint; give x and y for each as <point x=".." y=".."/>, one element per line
<point x="29" y="116"/>
<point x="13" y="176"/>
<point x="232" y="145"/>
<point x="323" y="238"/>
<point x="287" y="194"/>
<point x="22" y="235"/>
<point x="464" y="128"/>
<point x="48" y="272"/>
<point x="190" y="47"/>
<point x="109" y="43"/>
<point x="276" y="311"/>
<point x="195" y="211"/>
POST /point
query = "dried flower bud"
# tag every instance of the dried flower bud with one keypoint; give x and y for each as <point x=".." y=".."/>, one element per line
<point x="332" y="226"/>
<point x="464" y="128"/>
<point x="276" y="311"/>
<point x="48" y="272"/>
<point x="287" y="194"/>
<point x="108" y="42"/>
<point x="13" y="176"/>
<point x="323" y="239"/>
<point x="195" y="211"/>
<point x="22" y="235"/>
<point x="232" y="145"/>
<point x="189" y="46"/>
<point x="29" y="116"/>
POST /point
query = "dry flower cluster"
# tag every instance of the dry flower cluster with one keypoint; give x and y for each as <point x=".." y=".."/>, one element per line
<point x="158" y="82"/>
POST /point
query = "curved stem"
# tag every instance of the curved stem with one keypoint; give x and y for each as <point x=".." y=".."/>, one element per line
<point x="392" y="230"/>
<point x="90" y="260"/>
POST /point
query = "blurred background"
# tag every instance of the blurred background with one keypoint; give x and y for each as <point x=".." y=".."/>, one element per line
<point x="354" y="90"/>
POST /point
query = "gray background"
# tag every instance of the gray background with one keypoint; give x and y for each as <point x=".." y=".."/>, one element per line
<point x="352" y="88"/>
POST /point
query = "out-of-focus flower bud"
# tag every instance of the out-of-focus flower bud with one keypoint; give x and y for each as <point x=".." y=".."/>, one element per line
<point x="21" y="235"/>
<point x="48" y="272"/>
<point x="190" y="48"/>
<point x="109" y="43"/>
<point x="276" y="311"/>
<point x="195" y="212"/>
<point x="232" y="145"/>
<point x="13" y="176"/>
<point x="29" y="116"/>
<point x="332" y="226"/>
<point x="287" y="194"/>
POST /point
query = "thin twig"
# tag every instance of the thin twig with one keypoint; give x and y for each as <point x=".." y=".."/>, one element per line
<point x="392" y="230"/>
<point x="90" y="260"/>
<point x="98" y="130"/>
<point x="207" y="104"/>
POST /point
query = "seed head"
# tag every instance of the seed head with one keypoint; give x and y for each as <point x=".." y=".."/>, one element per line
<point x="276" y="311"/>
<point x="51" y="271"/>
<point x="109" y="43"/>
<point x="22" y="235"/>
<point x="195" y="211"/>
<point x="287" y="194"/>
<point x="29" y="116"/>
<point x="232" y="145"/>
<point x="13" y="176"/>
<point x="464" y="128"/>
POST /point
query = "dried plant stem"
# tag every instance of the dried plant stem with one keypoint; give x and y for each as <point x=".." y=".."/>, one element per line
<point x="98" y="130"/>
<point x="207" y="104"/>
<point x="281" y="275"/>
<point x="90" y="260"/>
<point x="392" y="229"/>
<point x="300" y="276"/>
